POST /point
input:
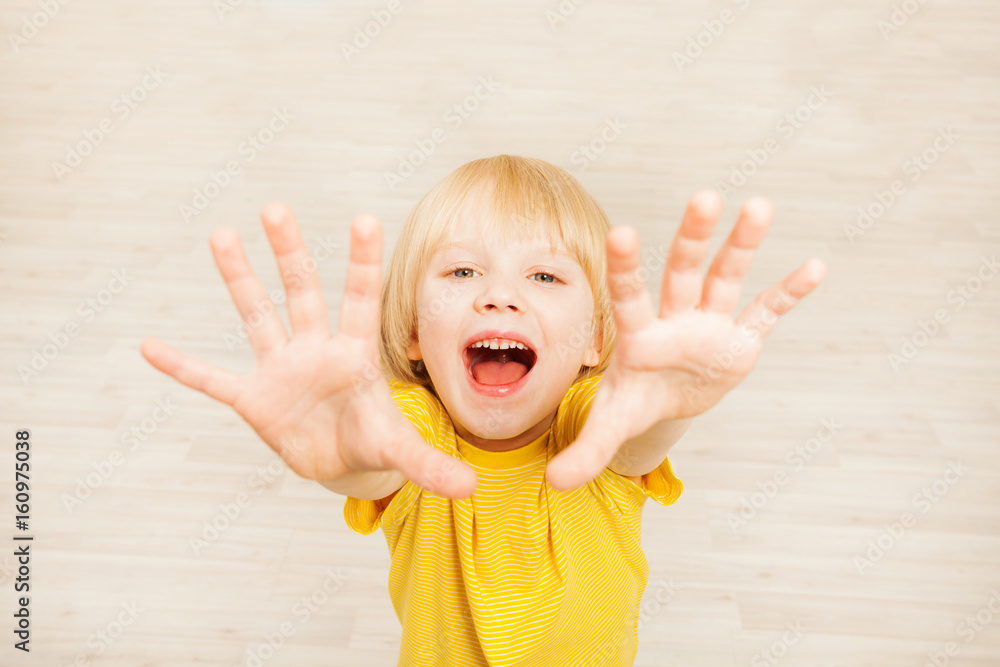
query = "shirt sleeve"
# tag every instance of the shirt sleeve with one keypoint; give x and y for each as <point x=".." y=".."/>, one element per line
<point x="573" y="411"/>
<point x="615" y="490"/>
<point x="425" y="412"/>
<point x="660" y="484"/>
<point x="366" y="516"/>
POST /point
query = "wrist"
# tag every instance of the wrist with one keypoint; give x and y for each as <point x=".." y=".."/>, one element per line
<point x="367" y="485"/>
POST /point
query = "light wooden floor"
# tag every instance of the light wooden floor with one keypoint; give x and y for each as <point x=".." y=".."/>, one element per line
<point x="731" y="593"/>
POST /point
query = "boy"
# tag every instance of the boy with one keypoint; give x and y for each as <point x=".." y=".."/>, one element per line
<point x="549" y="405"/>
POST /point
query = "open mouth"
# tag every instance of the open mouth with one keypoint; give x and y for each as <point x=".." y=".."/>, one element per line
<point x="498" y="367"/>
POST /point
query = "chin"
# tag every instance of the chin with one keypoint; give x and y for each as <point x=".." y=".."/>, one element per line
<point x="494" y="424"/>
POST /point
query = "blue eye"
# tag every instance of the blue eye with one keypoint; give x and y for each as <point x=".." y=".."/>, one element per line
<point x="466" y="271"/>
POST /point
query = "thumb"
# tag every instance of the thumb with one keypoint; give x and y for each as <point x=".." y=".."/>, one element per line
<point x="432" y="469"/>
<point x="587" y="456"/>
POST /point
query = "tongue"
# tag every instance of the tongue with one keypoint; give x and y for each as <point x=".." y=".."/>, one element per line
<point x="503" y="371"/>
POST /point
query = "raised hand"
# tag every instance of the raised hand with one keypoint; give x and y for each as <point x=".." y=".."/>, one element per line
<point x="679" y="363"/>
<point x="320" y="401"/>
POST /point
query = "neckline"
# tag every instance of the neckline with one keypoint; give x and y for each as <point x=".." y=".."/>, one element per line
<point x="502" y="460"/>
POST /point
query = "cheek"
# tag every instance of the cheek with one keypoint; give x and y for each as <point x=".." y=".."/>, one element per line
<point x="571" y="324"/>
<point x="428" y="307"/>
<point x="434" y="314"/>
<point x="444" y="300"/>
<point x="566" y="312"/>
<point x="438" y="317"/>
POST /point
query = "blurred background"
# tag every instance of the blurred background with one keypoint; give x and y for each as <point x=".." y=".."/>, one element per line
<point x="841" y="506"/>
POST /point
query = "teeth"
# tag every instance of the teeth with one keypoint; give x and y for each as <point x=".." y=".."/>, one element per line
<point x="495" y="344"/>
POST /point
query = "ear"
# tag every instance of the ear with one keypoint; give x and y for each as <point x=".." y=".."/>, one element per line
<point x="413" y="351"/>
<point x="594" y="351"/>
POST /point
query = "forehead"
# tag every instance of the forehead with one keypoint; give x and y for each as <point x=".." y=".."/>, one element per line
<point x="484" y="225"/>
<point x="475" y="235"/>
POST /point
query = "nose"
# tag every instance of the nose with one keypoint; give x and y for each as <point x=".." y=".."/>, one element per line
<point x="499" y="294"/>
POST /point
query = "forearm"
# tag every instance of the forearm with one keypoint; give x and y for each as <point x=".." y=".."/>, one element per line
<point x="643" y="453"/>
<point x="372" y="485"/>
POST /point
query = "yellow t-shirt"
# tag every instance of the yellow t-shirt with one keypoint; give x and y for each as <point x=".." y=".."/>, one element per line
<point x="519" y="574"/>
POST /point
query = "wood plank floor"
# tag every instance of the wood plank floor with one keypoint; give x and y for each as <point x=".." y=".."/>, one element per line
<point x="127" y="133"/>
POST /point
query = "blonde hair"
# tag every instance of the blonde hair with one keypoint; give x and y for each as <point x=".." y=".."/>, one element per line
<point x="522" y="198"/>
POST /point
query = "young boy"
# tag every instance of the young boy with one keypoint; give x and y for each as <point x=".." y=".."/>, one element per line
<point x="507" y="406"/>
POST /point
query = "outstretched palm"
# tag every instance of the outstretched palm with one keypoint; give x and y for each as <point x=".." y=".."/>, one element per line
<point x="320" y="401"/>
<point x="681" y="362"/>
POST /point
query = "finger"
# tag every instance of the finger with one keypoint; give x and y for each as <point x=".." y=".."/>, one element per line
<point x="682" y="283"/>
<point x="264" y="328"/>
<point x="761" y="315"/>
<point x="630" y="300"/>
<point x="587" y="456"/>
<point x="724" y="280"/>
<point x="359" y="311"/>
<point x="432" y="469"/>
<point x="219" y="384"/>
<point x="306" y="308"/>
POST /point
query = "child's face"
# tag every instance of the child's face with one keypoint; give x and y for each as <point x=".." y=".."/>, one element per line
<point x="473" y="290"/>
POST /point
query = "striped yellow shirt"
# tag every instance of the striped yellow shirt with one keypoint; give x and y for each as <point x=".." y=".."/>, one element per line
<point x="519" y="574"/>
